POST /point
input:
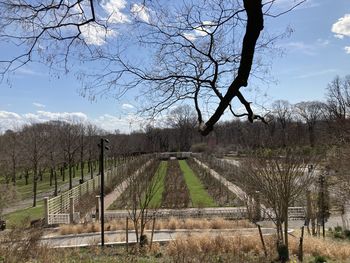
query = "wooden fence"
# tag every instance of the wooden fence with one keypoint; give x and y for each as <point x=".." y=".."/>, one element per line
<point x="58" y="210"/>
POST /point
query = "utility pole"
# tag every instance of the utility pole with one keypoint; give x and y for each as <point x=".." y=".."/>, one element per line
<point x="102" y="193"/>
<point x="322" y="203"/>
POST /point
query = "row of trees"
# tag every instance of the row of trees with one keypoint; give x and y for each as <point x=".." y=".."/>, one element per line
<point x="51" y="147"/>
<point x="312" y="123"/>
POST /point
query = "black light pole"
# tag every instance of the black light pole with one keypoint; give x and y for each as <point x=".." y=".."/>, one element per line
<point x="322" y="181"/>
<point x="102" y="148"/>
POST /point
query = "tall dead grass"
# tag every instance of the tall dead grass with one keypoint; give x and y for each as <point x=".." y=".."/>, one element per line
<point x="199" y="248"/>
<point x="171" y="223"/>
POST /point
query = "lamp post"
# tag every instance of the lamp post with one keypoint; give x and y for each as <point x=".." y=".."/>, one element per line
<point x="103" y="147"/>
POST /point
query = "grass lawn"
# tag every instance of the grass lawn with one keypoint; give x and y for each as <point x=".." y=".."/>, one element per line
<point x="160" y="177"/>
<point x="199" y="196"/>
<point x="17" y="218"/>
<point x="26" y="191"/>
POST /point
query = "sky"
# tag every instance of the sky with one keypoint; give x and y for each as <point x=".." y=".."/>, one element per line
<point x="316" y="51"/>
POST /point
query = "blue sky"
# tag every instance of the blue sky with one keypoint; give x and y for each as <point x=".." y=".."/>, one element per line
<point x="313" y="55"/>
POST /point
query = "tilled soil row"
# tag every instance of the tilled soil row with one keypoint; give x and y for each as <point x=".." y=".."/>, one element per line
<point x="176" y="193"/>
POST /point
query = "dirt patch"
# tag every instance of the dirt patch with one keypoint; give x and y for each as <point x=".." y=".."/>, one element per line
<point x="176" y="194"/>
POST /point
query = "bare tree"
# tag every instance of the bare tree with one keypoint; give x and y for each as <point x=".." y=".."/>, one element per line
<point x="8" y="196"/>
<point x="283" y="114"/>
<point x="140" y="193"/>
<point x="35" y="147"/>
<point x="310" y="112"/>
<point x="11" y="148"/>
<point x="183" y="120"/>
<point x="91" y="133"/>
<point x="69" y="143"/>
<point x="338" y="98"/>
<point x="280" y="179"/>
<point x="338" y="105"/>
<point x="195" y="54"/>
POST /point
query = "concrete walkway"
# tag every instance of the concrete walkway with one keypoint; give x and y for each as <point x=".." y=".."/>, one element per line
<point x="119" y="236"/>
<point x="232" y="187"/>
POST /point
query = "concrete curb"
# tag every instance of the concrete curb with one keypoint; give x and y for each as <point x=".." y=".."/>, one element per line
<point x="169" y="231"/>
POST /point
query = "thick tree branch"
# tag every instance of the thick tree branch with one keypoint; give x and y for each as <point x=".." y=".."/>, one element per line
<point x="255" y="23"/>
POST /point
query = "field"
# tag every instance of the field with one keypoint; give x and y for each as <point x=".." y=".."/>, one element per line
<point x="199" y="196"/>
<point x="25" y="189"/>
<point x="183" y="184"/>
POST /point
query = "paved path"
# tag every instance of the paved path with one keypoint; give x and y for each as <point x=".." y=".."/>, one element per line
<point x="119" y="189"/>
<point x="159" y="235"/>
<point x="232" y="187"/>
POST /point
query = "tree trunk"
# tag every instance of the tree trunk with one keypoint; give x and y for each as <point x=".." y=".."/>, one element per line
<point x="82" y="170"/>
<point x="311" y="136"/>
<point x="41" y="175"/>
<point x="26" y="176"/>
<point x="51" y="175"/>
<point x="73" y="170"/>
<point x="286" y="230"/>
<point x="35" y="179"/>
<point x="55" y="176"/>
<point x="14" y="172"/>
<point x="70" y="177"/>
<point x="63" y="172"/>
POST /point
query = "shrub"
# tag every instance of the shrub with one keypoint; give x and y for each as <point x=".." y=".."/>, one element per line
<point x="319" y="259"/>
<point x="337" y="229"/>
<point x="199" y="147"/>
<point x="346" y="233"/>
<point x="283" y="253"/>
<point x="338" y="235"/>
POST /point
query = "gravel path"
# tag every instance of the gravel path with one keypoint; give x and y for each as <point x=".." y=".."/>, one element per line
<point x="119" y="189"/>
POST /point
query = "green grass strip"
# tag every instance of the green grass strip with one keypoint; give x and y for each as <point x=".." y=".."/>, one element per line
<point x="199" y="196"/>
<point x="160" y="181"/>
<point x="17" y="218"/>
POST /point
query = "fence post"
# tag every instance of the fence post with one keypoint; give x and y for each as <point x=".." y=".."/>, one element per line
<point x="93" y="185"/>
<point x="97" y="207"/>
<point x="71" y="209"/>
<point x="127" y="234"/>
<point x="61" y="199"/>
<point x="46" y="210"/>
<point x="79" y="190"/>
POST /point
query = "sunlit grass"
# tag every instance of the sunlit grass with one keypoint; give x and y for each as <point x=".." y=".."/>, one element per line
<point x="160" y="185"/>
<point x="199" y="196"/>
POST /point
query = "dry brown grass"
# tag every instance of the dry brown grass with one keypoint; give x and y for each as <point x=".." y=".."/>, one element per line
<point x="172" y="223"/>
<point x="334" y="249"/>
<point x="199" y="248"/>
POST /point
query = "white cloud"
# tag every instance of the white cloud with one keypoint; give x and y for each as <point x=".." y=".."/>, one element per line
<point x="339" y="36"/>
<point x="113" y="9"/>
<point x="301" y="47"/>
<point x="125" y="123"/>
<point x="127" y="106"/>
<point x="95" y="34"/>
<point x="27" y="71"/>
<point x="341" y="28"/>
<point x="9" y="120"/>
<point x="190" y="36"/>
<point x="39" y="105"/>
<point x="347" y="50"/>
<point x="316" y="73"/>
<point x="141" y="12"/>
<point x="200" y="31"/>
<point x="12" y="120"/>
